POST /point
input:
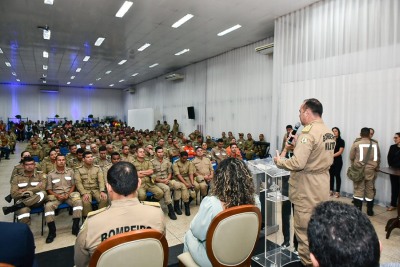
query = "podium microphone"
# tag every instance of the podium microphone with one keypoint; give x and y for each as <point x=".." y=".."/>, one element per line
<point x="294" y="131"/>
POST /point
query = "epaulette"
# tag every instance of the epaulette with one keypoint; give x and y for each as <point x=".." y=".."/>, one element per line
<point x="154" y="204"/>
<point x="92" y="213"/>
<point x="307" y="128"/>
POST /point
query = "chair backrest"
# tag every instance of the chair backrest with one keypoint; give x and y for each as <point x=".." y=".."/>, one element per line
<point x="136" y="248"/>
<point x="232" y="236"/>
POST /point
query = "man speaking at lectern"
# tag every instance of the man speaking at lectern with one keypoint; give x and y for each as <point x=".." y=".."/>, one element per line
<point x="309" y="177"/>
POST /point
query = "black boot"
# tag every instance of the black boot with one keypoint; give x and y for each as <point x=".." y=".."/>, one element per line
<point x="8" y="198"/>
<point x="171" y="212"/>
<point x="187" y="209"/>
<point x="358" y="203"/>
<point x="190" y="200"/>
<point x="52" y="232"/>
<point x="177" y="208"/>
<point x="370" y="208"/>
<point x="75" y="226"/>
<point x="7" y="210"/>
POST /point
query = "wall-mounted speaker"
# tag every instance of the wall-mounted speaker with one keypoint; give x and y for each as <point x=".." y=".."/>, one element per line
<point x="191" y="113"/>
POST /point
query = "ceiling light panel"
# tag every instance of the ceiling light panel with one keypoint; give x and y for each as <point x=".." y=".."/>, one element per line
<point x="49" y="2"/>
<point x="182" y="52"/>
<point x="124" y="8"/>
<point x="111" y="85"/>
<point x="86" y="58"/>
<point x="45" y="67"/>
<point x="108" y="72"/>
<point x="122" y="62"/>
<point x="99" y="41"/>
<point x="46" y="34"/>
<point x="72" y="77"/>
<point x="78" y="70"/>
<point x="7" y="64"/>
<point x="143" y="47"/>
<point x="68" y="82"/>
<point x="133" y="75"/>
<point x="121" y="81"/>
<point x="45" y="54"/>
<point x="152" y="66"/>
<point x="98" y="79"/>
<point x="18" y="80"/>
<point x="1" y="51"/>
<point x="237" y="26"/>
<point x="182" y="20"/>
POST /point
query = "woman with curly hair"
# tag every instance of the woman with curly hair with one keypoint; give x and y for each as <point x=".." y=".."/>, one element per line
<point x="232" y="186"/>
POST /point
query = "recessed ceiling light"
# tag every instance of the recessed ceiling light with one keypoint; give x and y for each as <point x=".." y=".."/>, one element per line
<point x="237" y="26"/>
<point x="48" y="2"/>
<point x="133" y="75"/>
<point x="68" y="82"/>
<point x="44" y="75"/>
<point x="1" y="51"/>
<point x="45" y="54"/>
<point x="44" y="81"/>
<point x="121" y="81"/>
<point x="90" y="84"/>
<point x="99" y="41"/>
<point x="72" y="77"/>
<point x="8" y="64"/>
<point x="108" y="72"/>
<point x="124" y="8"/>
<point x="86" y="58"/>
<point x="111" y="85"/>
<point x="98" y="79"/>
<point x="152" y="66"/>
<point x="45" y="67"/>
<point x="78" y="70"/>
<point x="13" y="73"/>
<point x="182" y="20"/>
<point x="122" y="62"/>
<point x="18" y="80"/>
<point x="182" y="52"/>
<point x="143" y="47"/>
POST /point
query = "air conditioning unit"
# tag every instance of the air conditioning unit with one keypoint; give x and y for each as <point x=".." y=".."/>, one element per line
<point x="131" y="90"/>
<point x="265" y="49"/>
<point x="49" y="89"/>
<point x="174" y="77"/>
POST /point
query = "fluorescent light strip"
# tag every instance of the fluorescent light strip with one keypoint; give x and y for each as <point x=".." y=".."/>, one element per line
<point x="122" y="62"/>
<point x="78" y="70"/>
<point x="133" y="75"/>
<point x="72" y="77"/>
<point x="108" y="72"/>
<point x="237" y="26"/>
<point x="152" y="66"/>
<point x="182" y="20"/>
<point x="44" y="81"/>
<point x="143" y="47"/>
<point x="46" y="34"/>
<point x="86" y="58"/>
<point x="90" y="84"/>
<point x="124" y="8"/>
<point x="98" y="79"/>
<point x="1" y="51"/>
<point x="99" y="41"/>
<point x="45" y="67"/>
<point x="112" y="85"/>
<point x="8" y="64"/>
<point x="121" y="81"/>
<point x="13" y="73"/>
<point x="18" y="80"/>
<point x="45" y="54"/>
<point x="182" y="52"/>
<point x="48" y="2"/>
<point x="68" y="82"/>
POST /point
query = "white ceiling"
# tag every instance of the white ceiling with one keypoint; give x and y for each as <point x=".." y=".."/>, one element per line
<point x="76" y="24"/>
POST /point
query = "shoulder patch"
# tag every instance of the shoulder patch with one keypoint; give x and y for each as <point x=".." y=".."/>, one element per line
<point x="307" y="128"/>
<point x="303" y="140"/>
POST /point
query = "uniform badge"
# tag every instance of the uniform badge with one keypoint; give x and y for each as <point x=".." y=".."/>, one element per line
<point x="304" y="140"/>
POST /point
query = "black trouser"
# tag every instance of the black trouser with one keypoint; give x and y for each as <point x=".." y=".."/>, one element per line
<point x="287" y="213"/>
<point x="394" y="181"/>
<point x="334" y="171"/>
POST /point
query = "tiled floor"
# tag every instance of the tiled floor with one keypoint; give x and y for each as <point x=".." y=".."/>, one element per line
<point x="175" y="229"/>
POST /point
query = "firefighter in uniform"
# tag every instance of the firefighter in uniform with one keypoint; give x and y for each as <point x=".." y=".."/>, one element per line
<point x="185" y="188"/>
<point x="366" y="187"/>
<point x="309" y="166"/>
<point x="124" y="214"/>
<point x="60" y="189"/>
<point x="204" y="171"/>
<point x="89" y="180"/>
<point x="28" y="190"/>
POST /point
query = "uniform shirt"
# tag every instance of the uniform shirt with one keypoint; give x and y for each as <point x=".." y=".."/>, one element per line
<point x="74" y="163"/>
<point x="126" y="215"/>
<point x="47" y="166"/>
<point x="144" y="166"/>
<point x="218" y="154"/>
<point x="173" y="151"/>
<point x="202" y="166"/>
<point x="161" y="168"/>
<point x="359" y="151"/>
<point x="309" y="166"/>
<point x="183" y="169"/>
<point x="128" y="158"/>
<point x="249" y="144"/>
<point x="34" y="183"/>
<point x="88" y="179"/>
<point x="60" y="182"/>
<point x="240" y="143"/>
